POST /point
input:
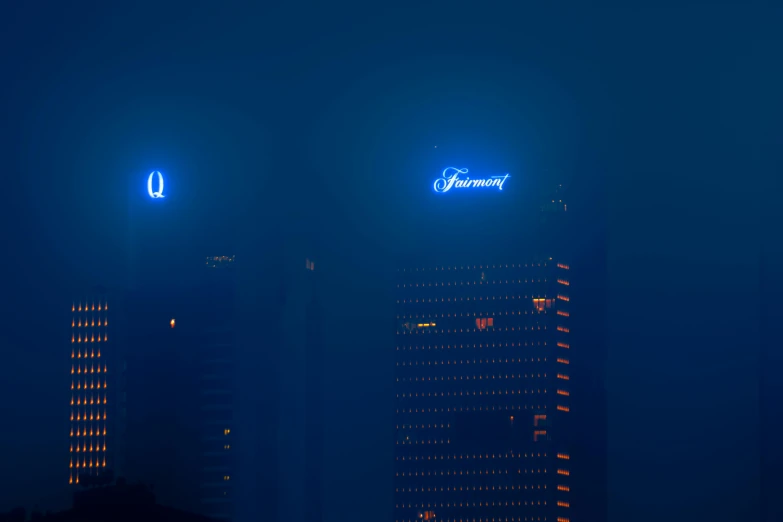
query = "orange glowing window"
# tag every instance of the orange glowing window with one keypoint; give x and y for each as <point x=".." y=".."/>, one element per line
<point x="173" y="323"/>
<point x="563" y="488"/>
<point x="539" y="420"/>
<point x="563" y="282"/>
<point x="563" y="313"/>
<point x="564" y="456"/>
<point x="561" y="519"/>
<point x="563" y="392"/>
<point x="482" y="323"/>
<point x="563" y="472"/>
<point x="563" y="361"/>
<point x="541" y="304"/>
<point x="539" y="434"/>
<point x="563" y="376"/>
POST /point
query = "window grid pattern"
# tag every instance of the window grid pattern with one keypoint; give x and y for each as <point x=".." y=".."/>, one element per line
<point x="88" y="390"/>
<point x="481" y="385"/>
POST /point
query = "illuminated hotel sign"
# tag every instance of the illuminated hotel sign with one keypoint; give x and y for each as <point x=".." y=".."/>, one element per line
<point x="453" y="177"/>
<point x="155" y="185"/>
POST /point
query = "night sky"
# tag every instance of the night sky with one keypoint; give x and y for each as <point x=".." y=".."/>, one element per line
<point x="665" y="118"/>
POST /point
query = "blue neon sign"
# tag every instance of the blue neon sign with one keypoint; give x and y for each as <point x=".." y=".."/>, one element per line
<point x="155" y="194"/>
<point x="450" y="178"/>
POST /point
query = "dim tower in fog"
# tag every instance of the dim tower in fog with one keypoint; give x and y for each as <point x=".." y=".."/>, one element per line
<point x="89" y="399"/>
<point x="482" y="393"/>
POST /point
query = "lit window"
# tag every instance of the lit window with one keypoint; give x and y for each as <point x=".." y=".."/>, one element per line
<point x="226" y="432"/>
<point x="173" y="323"/>
<point x="541" y="304"/>
<point x="482" y="323"/>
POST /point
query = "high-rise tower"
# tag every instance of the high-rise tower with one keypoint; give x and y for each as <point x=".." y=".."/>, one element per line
<point x="483" y="392"/>
<point x="92" y="397"/>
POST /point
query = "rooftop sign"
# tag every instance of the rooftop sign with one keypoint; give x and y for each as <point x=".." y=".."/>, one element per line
<point x="452" y="177"/>
<point x="155" y="181"/>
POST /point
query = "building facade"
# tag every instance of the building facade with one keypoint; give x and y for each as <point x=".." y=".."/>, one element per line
<point x="93" y="401"/>
<point x="483" y="394"/>
<point x="215" y="337"/>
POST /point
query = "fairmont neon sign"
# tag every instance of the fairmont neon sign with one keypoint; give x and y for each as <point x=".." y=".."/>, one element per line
<point x="158" y="178"/>
<point x="453" y="177"/>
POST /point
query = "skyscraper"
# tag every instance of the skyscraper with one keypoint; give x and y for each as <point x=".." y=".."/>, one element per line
<point x="215" y="339"/>
<point x="482" y="392"/>
<point x="92" y="429"/>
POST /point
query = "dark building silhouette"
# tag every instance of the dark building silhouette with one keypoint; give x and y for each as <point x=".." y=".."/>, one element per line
<point x="120" y="502"/>
<point x="301" y="391"/>
<point x="215" y="336"/>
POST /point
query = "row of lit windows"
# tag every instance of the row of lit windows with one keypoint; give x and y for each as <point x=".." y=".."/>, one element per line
<point x="488" y="487"/>
<point x="77" y="354"/>
<point x="447" y="362"/>
<point x="563" y="376"/>
<point x="564" y="345"/>
<point x="474" y="283"/>
<point x="563" y="313"/>
<point x="93" y="416"/>
<point x="92" y="433"/>
<point x="474" y="408"/>
<point x="462" y="473"/>
<point x="564" y="392"/>
<point x="406" y="331"/>
<point x="469" y="267"/>
<point x="88" y="323"/>
<point x="78" y="369"/>
<point x="474" y="519"/>
<point x="512" y="503"/>
<point x="472" y="298"/>
<point x="474" y="456"/>
<point x="564" y="282"/>
<point x="469" y="393"/>
<point x="486" y="456"/>
<point x="84" y="463"/>
<point x="563" y="408"/>
<point x="563" y="329"/>
<point x="472" y="377"/>
<point x="536" y="311"/>
<point x="97" y="448"/>
<point x="563" y="266"/>
<point x="474" y="345"/>
<point x="93" y="400"/>
<point x="90" y="339"/>
<point x="89" y="308"/>
<point x="91" y="386"/>
<point x="563" y="361"/>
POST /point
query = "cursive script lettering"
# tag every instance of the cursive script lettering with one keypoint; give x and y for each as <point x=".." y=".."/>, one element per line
<point x="450" y="178"/>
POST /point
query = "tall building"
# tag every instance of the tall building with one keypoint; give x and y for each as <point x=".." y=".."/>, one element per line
<point x="483" y="393"/>
<point x="93" y="401"/>
<point x="300" y="432"/>
<point x="215" y="336"/>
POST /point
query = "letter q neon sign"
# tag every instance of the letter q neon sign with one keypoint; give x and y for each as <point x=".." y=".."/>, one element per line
<point x="155" y="194"/>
